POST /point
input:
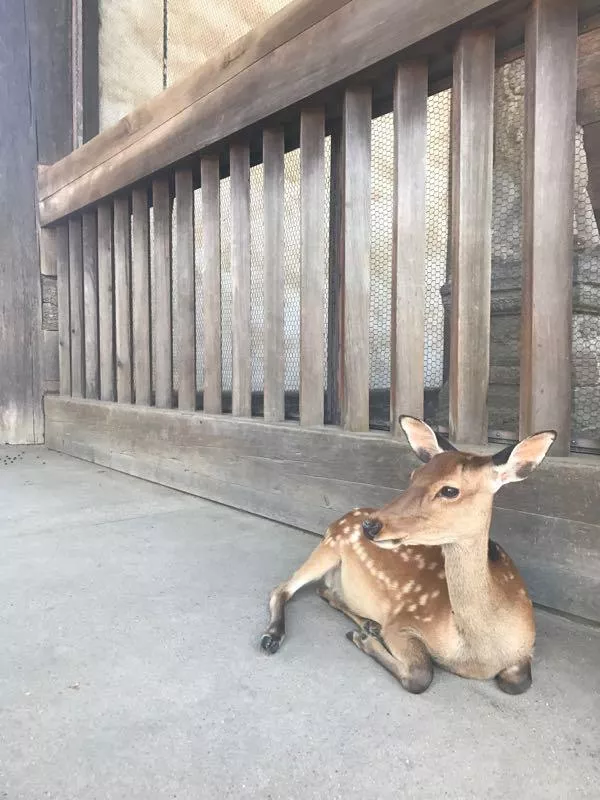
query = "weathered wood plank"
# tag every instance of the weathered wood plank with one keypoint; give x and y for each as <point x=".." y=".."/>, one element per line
<point x="312" y="276"/>
<point x="550" y="77"/>
<point x="333" y="401"/>
<point x="471" y="237"/>
<point x="64" y="308"/>
<point x="140" y="297"/>
<point x="408" y="243"/>
<point x="163" y="324"/>
<point x="211" y="259"/>
<point x="186" y="289"/>
<point x="307" y="477"/>
<point x="203" y="111"/>
<point x="273" y="153"/>
<point x="122" y="283"/>
<point x="90" y="302"/>
<point x="357" y="257"/>
<point x="106" y="309"/>
<point x="77" y="308"/>
<point x="240" y="279"/>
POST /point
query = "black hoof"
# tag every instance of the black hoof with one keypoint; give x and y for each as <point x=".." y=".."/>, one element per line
<point x="373" y="628"/>
<point x="350" y="636"/>
<point x="270" y="643"/>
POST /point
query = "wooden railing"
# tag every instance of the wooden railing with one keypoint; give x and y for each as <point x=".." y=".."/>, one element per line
<point x="318" y="68"/>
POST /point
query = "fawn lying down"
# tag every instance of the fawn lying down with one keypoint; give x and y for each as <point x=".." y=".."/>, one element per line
<point x="421" y="578"/>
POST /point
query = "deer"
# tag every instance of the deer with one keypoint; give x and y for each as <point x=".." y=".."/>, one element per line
<point x="421" y="578"/>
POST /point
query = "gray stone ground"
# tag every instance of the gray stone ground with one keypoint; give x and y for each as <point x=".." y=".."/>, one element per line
<point x="129" y="667"/>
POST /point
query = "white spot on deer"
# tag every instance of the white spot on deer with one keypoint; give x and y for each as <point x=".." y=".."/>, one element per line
<point x="420" y="562"/>
<point x="370" y="563"/>
<point x="407" y="587"/>
<point x="511" y="576"/>
<point x="417" y="617"/>
<point x="423" y="599"/>
<point x="433" y="565"/>
<point x="522" y="592"/>
<point x="347" y="529"/>
<point x="355" y="536"/>
<point x="394" y="584"/>
<point x="441" y="574"/>
<point x="418" y="587"/>
<point x="427" y="619"/>
<point x="409" y="550"/>
<point x="398" y="608"/>
<point x="404" y="556"/>
<point x="357" y="513"/>
<point x="434" y="594"/>
<point x="412" y="607"/>
<point x="343" y="521"/>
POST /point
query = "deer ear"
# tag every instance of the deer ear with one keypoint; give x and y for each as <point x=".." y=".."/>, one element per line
<point x="517" y="462"/>
<point x="425" y="443"/>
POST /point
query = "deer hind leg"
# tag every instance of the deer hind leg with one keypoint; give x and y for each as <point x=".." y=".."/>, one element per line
<point x="516" y="679"/>
<point x="331" y="592"/>
<point x="402" y="654"/>
<point x="324" y="558"/>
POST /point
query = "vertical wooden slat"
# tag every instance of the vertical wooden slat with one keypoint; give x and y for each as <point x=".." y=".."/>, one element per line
<point x="186" y="289"/>
<point x="64" y="308"/>
<point x="240" y="279"/>
<point x="106" y="311"/>
<point x="471" y="239"/>
<point x="122" y="252"/>
<point x="312" y="154"/>
<point x="357" y="251"/>
<point x="76" y="293"/>
<point x="163" y="324"/>
<point x="550" y="90"/>
<point x="273" y="154"/>
<point x="90" y="302"/>
<point x="408" y="243"/>
<point x="211" y="260"/>
<point x="140" y="298"/>
<point x="333" y="411"/>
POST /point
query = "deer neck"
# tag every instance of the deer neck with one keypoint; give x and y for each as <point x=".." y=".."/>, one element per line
<point x="469" y="581"/>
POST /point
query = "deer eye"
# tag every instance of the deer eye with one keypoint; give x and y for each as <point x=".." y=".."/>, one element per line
<point x="449" y="492"/>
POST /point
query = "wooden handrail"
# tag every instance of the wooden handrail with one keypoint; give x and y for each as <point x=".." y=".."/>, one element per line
<point x="280" y="64"/>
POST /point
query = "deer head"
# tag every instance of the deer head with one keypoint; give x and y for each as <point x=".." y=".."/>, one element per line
<point x="449" y="498"/>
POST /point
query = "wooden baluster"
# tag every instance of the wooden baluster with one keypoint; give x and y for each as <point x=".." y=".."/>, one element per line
<point x="106" y="312"/>
<point x="240" y="279"/>
<point x="550" y="93"/>
<point x="64" y="308"/>
<point x="357" y="256"/>
<point x="77" y="311"/>
<point x="408" y="243"/>
<point x="471" y="239"/>
<point x="211" y="260"/>
<point x="163" y="324"/>
<point x="333" y="409"/>
<point x="90" y="303"/>
<point x="140" y="298"/>
<point x="122" y="254"/>
<point x="186" y="289"/>
<point x="312" y="153"/>
<point x="273" y="155"/>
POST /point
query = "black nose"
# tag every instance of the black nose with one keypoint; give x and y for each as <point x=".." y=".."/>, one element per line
<point x="371" y="528"/>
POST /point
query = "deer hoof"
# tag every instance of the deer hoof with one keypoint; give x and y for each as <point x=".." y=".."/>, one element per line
<point x="372" y="628"/>
<point x="270" y="643"/>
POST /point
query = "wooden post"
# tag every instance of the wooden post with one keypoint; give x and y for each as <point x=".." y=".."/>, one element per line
<point x="211" y="255"/>
<point x="240" y="279"/>
<point x="163" y="325"/>
<point x="77" y="311"/>
<point x="140" y="297"/>
<point x="312" y="379"/>
<point x="471" y="238"/>
<point x="122" y="252"/>
<point x="550" y="92"/>
<point x="64" y="308"/>
<point x="333" y="409"/>
<point x="90" y="303"/>
<point x="408" y="243"/>
<point x="273" y="154"/>
<point x="357" y="256"/>
<point x="106" y="304"/>
<point x="186" y="289"/>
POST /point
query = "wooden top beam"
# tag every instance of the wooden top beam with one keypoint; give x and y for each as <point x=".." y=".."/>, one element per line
<point x="258" y="76"/>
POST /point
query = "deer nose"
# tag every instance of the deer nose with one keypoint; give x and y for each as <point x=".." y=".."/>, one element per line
<point x="371" y="528"/>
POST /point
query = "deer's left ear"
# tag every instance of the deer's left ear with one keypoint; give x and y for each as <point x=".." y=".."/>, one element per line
<point x="517" y="462"/>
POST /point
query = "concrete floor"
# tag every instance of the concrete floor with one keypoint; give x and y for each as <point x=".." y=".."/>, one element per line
<point x="129" y="667"/>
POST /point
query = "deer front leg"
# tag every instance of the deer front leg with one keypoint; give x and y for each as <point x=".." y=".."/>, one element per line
<point x="402" y="654"/>
<point x="321" y="560"/>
